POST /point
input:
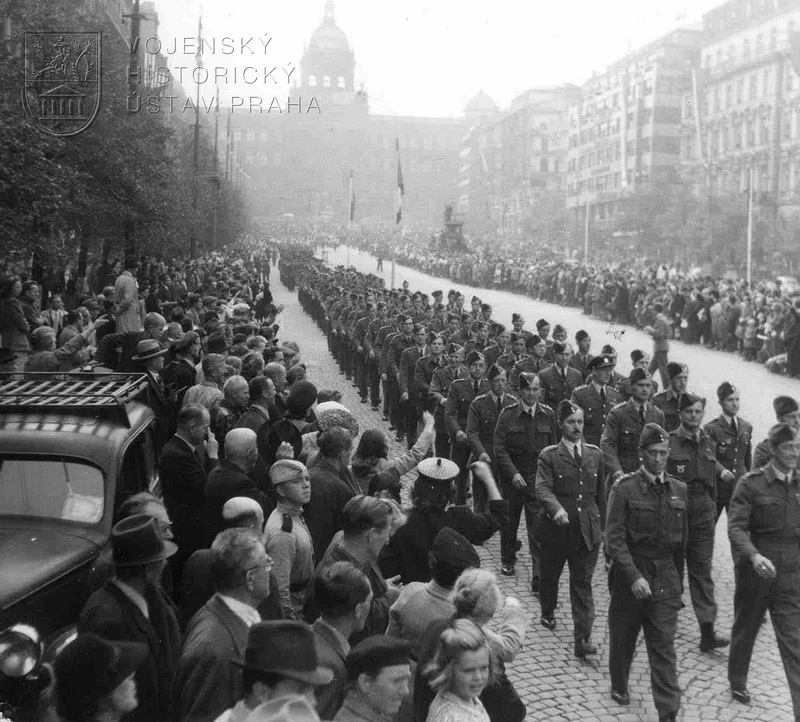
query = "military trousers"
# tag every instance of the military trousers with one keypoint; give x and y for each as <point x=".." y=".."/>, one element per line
<point x="520" y="500"/>
<point x="701" y="512"/>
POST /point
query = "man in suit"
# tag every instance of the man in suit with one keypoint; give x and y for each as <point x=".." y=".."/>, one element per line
<point x="560" y="380"/>
<point x="569" y="486"/>
<point x="132" y="607"/>
<point x="184" y="465"/>
<point x="343" y="595"/>
<point x="231" y="478"/>
<point x="116" y="350"/>
<point x="150" y="360"/>
<point x="206" y="682"/>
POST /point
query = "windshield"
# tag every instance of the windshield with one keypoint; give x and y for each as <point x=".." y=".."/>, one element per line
<point x="54" y="488"/>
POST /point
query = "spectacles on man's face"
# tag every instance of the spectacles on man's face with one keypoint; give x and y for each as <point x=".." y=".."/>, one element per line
<point x="265" y="565"/>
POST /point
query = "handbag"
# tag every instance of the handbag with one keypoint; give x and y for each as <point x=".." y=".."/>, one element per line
<point x="502" y="701"/>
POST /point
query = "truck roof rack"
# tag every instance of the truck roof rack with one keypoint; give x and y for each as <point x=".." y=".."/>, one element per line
<point x="70" y="391"/>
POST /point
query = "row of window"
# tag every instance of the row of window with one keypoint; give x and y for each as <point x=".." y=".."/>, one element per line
<point x="757" y="85"/>
<point x="326" y="81"/>
<point x="765" y="42"/>
<point x="661" y="114"/>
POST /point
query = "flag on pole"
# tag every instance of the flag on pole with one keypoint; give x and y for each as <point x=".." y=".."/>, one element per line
<point x="352" y="199"/>
<point x="400" y="187"/>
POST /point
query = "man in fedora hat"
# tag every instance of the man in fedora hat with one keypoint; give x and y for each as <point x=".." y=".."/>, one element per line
<point x="116" y="350"/>
<point x="132" y="607"/>
<point x="280" y="665"/>
<point x="149" y="359"/>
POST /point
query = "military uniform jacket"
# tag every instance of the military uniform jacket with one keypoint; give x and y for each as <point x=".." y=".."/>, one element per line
<point x="423" y="375"/>
<point x="646" y="533"/>
<point x="382" y="343"/>
<point x="580" y="491"/>
<point x="762" y="454"/>
<point x="624" y="388"/>
<point x="371" y="335"/>
<point x="360" y="331"/>
<point x="408" y="364"/>
<point x="693" y="462"/>
<point x="579" y="363"/>
<point x="518" y="440"/>
<point x="397" y="345"/>
<point x="507" y="361"/>
<point x="620" y="439"/>
<point x="461" y="395"/>
<point x="733" y="450"/>
<point x="594" y="410"/>
<point x="441" y="381"/>
<point x="667" y="401"/>
<point x="493" y="353"/>
<point x="481" y="421"/>
<point x="525" y="364"/>
<point x="475" y="345"/>
<point x="557" y="387"/>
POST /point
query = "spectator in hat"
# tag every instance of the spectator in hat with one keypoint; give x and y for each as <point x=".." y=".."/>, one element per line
<point x="95" y="679"/>
<point x="733" y="438"/>
<point x="559" y="380"/>
<point x="763" y="518"/>
<point x="668" y="400"/>
<point x="432" y="497"/>
<point x="206" y="682"/>
<point x="280" y="671"/>
<point x="301" y="398"/>
<point x="179" y="374"/>
<point x="343" y="595"/>
<point x="580" y="361"/>
<point x="149" y="359"/>
<point x="116" y="350"/>
<point x="126" y="298"/>
<point x="133" y="607"/>
<point x="786" y="412"/>
<point x="379" y="676"/>
<point x="596" y="398"/>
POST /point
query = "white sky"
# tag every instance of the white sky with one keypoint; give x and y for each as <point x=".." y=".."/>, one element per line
<point x="428" y="57"/>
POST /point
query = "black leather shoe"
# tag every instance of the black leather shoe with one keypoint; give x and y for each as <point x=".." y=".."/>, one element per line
<point x="384" y="417"/>
<point x="711" y="640"/>
<point x="622" y="698"/>
<point x="392" y="427"/>
<point x="548" y="621"/>
<point x="584" y="647"/>
<point x="400" y="436"/>
<point x="535" y="586"/>
<point x="364" y="400"/>
<point x="668" y="717"/>
<point x="518" y="545"/>
<point x="741" y="695"/>
<point x="507" y="570"/>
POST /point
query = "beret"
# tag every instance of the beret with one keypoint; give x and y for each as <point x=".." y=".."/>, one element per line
<point x="515" y="317"/>
<point x="453" y="348"/>
<point x="526" y="378"/>
<point x="559" y="347"/>
<point x="285" y="470"/>
<point x="565" y="409"/>
<point x="438" y="469"/>
<point x="541" y="323"/>
<point x="687" y="400"/>
<point x="454" y="549"/>
<point x="600" y="362"/>
<point x="638" y="375"/>
<point x="608" y="350"/>
<point x="725" y="389"/>
<point x="637" y="355"/>
<point x="581" y="335"/>
<point x="652" y="434"/>
<point x="374" y="653"/>
<point x="474" y="356"/>
<point x="784" y="405"/>
<point x="675" y="369"/>
<point x="532" y="341"/>
<point x="301" y="396"/>
<point x="494" y="370"/>
<point x="780" y="433"/>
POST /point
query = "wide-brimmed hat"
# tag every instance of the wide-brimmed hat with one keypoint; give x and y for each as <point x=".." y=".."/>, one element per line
<point x="287" y="648"/>
<point x="91" y="667"/>
<point x="147" y="349"/>
<point x="136" y="541"/>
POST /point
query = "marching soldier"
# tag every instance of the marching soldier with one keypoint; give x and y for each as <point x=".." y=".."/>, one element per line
<point x="786" y="412"/>
<point x="514" y="352"/>
<point x="569" y="487"/>
<point x="521" y="433"/>
<point x="624" y="425"/>
<point x="381" y="348"/>
<point x="667" y="400"/>
<point x="360" y="330"/>
<point x="441" y="381"/>
<point x="425" y="368"/>
<point x="533" y="361"/>
<point x="500" y="346"/>
<point x="409" y="391"/>
<point x="639" y="359"/>
<point x="481" y="341"/>
<point x="397" y="344"/>
<point x="646" y="533"/>
<point x="596" y="398"/>
<point x="372" y="350"/>
<point x="580" y="361"/>
<point x="732" y="437"/>
<point x="692" y="460"/>
<point x="560" y="379"/>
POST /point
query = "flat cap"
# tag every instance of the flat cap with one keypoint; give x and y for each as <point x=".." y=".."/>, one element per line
<point x="725" y="389"/>
<point x="652" y="434"/>
<point x="454" y="549"/>
<point x="438" y="469"/>
<point x="784" y="405"/>
<point x="374" y="653"/>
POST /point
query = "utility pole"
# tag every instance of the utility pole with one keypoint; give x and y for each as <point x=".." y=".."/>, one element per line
<point x="196" y="148"/>
<point x="750" y="229"/>
<point x="586" y="237"/>
<point x="134" y="81"/>
<point x="215" y="178"/>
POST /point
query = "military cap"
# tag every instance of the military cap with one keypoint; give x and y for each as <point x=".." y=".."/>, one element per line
<point x="638" y="375"/>
<point x="687" y="400"/>
<point x="652" y="434"/>
<point x="451" y="293"/>
<point x="453" y="317"/>
<point x="675" y="369"/>
<point x="725" y="389"/>
<point x="401" y="318"/>
<point x="541" y="323"/>
<point x="565" y="409"/>
<point x="494" y="370"/>
<point x="581" y="335"/>
<point x="514" y="337"/>
<point x="559" y="329"/>
<point x="781" y="433"/>
<point x="600" y="362"/>
<point x="559" y="347"/>
<point x="450" y="547"/>
<point x="437" y="294"/>
<point x="498" y="328"/>
<point x="436" y="468"/>
<point x="370" y="306"/>
<point x="284" y="470"/>
<point x="432" y="336"/>
<point x="784" y="405"/>
<point x="532" y="341"/>
<point x="481" y="324"/>
<point x="608" y="350"/>
<point x="526" y="378"/>
<point x="419" y="327"/>
<point x="465" y="317"/>
<point x="637" y="355"/>
<point x="354" y="297"/>
<point x="516" y="317"/>
<point x="474" y="356"/>
<point x="486" y="307"/>
<point x="374" y="653"/>
<point x="424" y="297"/>
<point x="380" y="305"/>
<point x="475" y="299"/>
<point x="453" y="348"/>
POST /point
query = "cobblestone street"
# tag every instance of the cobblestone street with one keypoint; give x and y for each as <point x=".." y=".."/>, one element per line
<point x="552" y="682"/>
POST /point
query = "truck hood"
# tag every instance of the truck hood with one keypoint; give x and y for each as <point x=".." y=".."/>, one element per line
<point x="37" y="552"/>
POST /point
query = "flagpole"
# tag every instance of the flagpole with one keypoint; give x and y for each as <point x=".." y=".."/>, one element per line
<point x="399" y="214"/>
<point x="349" y="218"/>
<point x="750" y="228"/>
<point x="586" y="237"/>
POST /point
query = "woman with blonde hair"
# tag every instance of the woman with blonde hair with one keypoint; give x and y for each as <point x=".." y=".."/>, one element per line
<point x="462" y="668"/>
<point x="477" y="598"/>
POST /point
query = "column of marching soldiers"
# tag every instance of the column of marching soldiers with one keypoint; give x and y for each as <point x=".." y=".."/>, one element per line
<point x="588" y="456"/>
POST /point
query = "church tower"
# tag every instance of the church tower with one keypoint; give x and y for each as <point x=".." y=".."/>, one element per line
<point x="328" y="64"/>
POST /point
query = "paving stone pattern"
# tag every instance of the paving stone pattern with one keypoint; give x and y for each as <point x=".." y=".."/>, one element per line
<point x="554" y="685"/>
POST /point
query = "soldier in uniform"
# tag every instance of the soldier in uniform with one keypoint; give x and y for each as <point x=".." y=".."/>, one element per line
<point x="521" y="433"/>
<point x="372" y="351"/>
<point x="639" y="359"/>
<point x="481" y="341"/>
<point x="667" y="400"/>
<point x="786" y="412"/>
<point x="360" y="330"/>
<point x="646" y="532"/>
<point x="543" y="332"/>
<point x="500" y="346"/>
<point x="692" y="460"/>
<point x="661" y="331"/>
<point x="580" y="361"/>
<point x="569" y="487"/>
<point x="409" y="391"/>
<point x="624" y="425"/>
<point x="462" y="393"/>
<point x="425" y="368"/>
<point x="596" y="398"/>
<point x="441" y="381"/>
<point x="514" y="353"/>
<point x="533" y="361"/>
<point x="481" y="420"/>
<point x="732" y="437"/>
<point x="397" y="344"/>
<point x="518" y="325"/>
<point x="381" y="348"/>
<point x="764" y="517"/>
<point x="560" y="379"/>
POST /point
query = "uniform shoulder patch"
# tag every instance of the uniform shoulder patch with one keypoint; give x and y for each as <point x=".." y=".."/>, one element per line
<point x="547" y="409"/>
